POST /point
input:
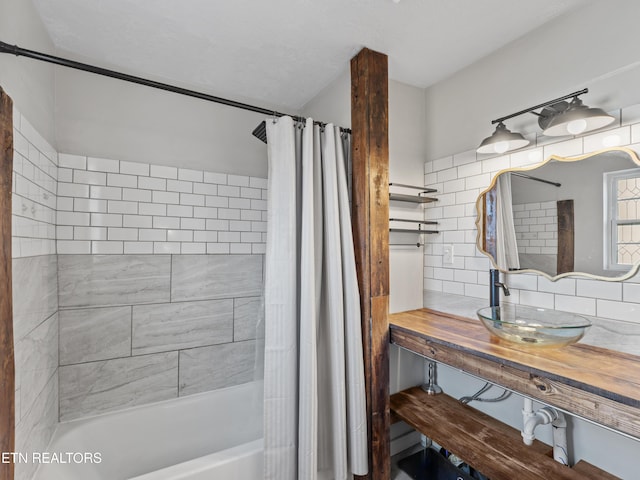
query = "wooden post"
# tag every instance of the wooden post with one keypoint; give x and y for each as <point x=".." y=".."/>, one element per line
<point x="566" y="234"/>
<point x="7" y="373"/>
<point x="370" y="152"/>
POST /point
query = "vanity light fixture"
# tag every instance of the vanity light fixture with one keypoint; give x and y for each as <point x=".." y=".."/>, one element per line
<point x="502" y="140"/>
<point x="557" y="118"/>
<point x="576" y="118"/>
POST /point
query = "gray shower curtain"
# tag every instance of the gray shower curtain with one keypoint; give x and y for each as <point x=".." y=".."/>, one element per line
<point x="315" y="412"/>
<point x="506" y="244"/>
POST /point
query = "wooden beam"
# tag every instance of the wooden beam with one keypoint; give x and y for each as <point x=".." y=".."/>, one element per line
<point x="566" y="234"/>
<point x="370" y="153"/>
<point x="7" y="369"/>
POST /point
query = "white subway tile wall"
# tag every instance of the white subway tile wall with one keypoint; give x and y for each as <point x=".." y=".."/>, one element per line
<point x="460" y="178"/>
<point x="35" y="175"/>
<point x="536" y="226"/>
<point x="116" y="207"/>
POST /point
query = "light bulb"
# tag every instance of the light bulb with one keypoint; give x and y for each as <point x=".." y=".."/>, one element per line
<point x="535" y="156"/>
<point x="612" y="140"/>
<point x="574" y="127"/>
<point x="501" y="147"/>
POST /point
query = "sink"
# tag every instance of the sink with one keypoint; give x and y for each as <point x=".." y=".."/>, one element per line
<point x="533" y="326"/>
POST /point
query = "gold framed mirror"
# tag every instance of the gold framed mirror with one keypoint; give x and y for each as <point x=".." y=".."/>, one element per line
<point x="577" y="216"/>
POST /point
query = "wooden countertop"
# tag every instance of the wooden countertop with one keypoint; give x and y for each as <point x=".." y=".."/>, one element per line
<point x="595" y="383"/>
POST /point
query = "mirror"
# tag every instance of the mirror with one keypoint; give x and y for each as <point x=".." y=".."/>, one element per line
<point x="565" y="216"/>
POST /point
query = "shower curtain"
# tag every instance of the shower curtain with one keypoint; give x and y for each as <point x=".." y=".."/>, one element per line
<point x="315" y="411"/>
<point x="506" y="244"/>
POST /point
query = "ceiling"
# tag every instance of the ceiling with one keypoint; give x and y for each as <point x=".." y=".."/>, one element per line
<point x="284" y="52"/>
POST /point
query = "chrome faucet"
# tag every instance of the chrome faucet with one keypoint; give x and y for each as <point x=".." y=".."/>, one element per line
<point x="494" y="285"/>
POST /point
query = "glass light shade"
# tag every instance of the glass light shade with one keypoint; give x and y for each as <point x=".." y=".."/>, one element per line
<point x="577" y="119"/>
<point x="502" y="140"/>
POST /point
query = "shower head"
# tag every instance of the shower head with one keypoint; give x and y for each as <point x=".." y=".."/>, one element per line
<point x="260" y="132"/>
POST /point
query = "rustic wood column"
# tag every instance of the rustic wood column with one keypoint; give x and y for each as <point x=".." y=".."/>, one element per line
<point x="566" y="237"/>
<point x="370" y="150"/>
<point x="7" y="373"/>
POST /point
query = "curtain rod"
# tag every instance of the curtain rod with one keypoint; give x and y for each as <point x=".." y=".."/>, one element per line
<point x="64" y="62"/>
<point x="529" y="177"/>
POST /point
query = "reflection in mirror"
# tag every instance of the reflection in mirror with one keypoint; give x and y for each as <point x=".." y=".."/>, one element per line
<point x="565" y="216"/>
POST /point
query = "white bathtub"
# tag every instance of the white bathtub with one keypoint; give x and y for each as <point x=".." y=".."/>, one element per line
<point x="209" y="436"/>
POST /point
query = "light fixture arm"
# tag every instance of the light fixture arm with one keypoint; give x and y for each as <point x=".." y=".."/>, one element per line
<point x="542" y="105"/>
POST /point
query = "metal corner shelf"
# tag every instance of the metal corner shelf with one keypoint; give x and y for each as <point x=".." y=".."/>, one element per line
<point x="420" y="230"/>
<point x="423" y="189"/>
<point x="402" y="197"/>
<point x="413" y="220"/>
<point x="412" y="230"/>
<point x="419" y="199"/>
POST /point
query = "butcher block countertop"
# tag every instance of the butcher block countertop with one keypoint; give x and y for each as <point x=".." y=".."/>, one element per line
<point x="592" y="382"/>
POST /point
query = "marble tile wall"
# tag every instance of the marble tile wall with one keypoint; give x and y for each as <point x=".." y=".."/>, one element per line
<point x="217" y="366"/>
<point x="460" y="178"/>
<point x="201" y="277"/>
<point x="97" y="280"/>
<point x="35" y="291"/>
<point x="142" y="328"/>
<point x="96" y="387"/>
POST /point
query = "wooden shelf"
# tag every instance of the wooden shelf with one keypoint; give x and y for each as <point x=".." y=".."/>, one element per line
<point x="400" y="197"/>
<point x="595" y="383"/>
<point x="488" y="445"/>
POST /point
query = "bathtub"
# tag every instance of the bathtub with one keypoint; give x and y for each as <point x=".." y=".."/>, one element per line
<point x="214" y="436"/>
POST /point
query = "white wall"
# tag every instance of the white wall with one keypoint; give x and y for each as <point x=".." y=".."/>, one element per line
<point x="82" y="113"/>
<point x="595" y="47"/>
<point x="108" y="118"/>
<point x="28" y="82"/>
<point x="406" y="156"/>
<point x="333" y="103"/>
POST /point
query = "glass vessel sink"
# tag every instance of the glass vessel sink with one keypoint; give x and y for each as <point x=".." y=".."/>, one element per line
<point x="533" y="326"/>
